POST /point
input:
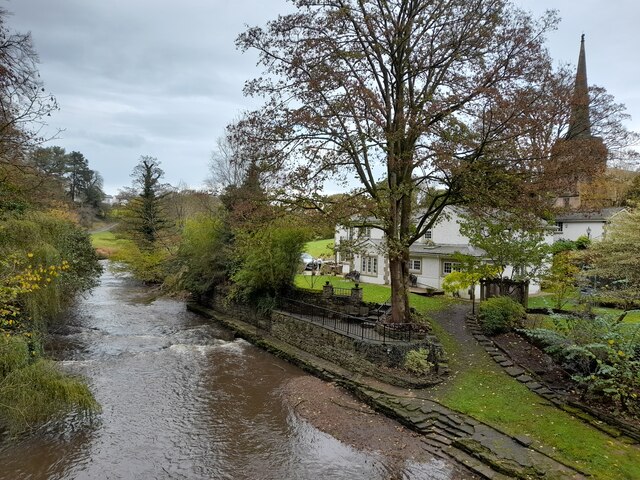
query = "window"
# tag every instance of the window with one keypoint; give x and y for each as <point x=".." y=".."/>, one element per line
<point x="415" y="265"/>
<point x="364" y="232"/>
<point x="560" y="225"/>
<point x="370" y="265"/>
<point x="448" y="267"/>
<point x="428" y="235"/>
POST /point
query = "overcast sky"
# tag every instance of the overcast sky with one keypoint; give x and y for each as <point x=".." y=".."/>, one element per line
<point x="163" y="78"/>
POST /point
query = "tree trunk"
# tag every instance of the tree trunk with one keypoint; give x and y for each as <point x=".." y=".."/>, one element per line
<point x="398" y="254"/>
<point x="399" y="295"/>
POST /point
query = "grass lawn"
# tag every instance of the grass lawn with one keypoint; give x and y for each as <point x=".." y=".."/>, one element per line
<point x="488" y="394"/>
<point x="106" y="243"/>
<point x="484" y="391"/>
<point x="545" y="301"/>
<point x="374" y="293"/>
<point x="320" y="248"/>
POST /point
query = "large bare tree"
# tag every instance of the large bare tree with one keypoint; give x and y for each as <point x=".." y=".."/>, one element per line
<point x="24" y="103"/>
<point x="405" y="96"/>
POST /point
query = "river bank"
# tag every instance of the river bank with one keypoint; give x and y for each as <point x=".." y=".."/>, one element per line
<point x="182" y="397"/>
<point x="484" y="449"/>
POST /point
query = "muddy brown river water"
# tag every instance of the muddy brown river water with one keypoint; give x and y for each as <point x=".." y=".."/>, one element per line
<point x="181" y="399"/>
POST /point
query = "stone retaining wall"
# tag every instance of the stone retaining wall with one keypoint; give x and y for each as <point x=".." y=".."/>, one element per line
<point x="357" y="355"/>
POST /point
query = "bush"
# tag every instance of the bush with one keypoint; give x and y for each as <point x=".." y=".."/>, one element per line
<point x="500" y="315"/>
<point x="599" y="353"/>
<point x="39" y="244"/>
<point x="203" y="257"/>
<point x="270" y="258"/>
<point x="416" y="362"/>
<point x="145" y="265"/>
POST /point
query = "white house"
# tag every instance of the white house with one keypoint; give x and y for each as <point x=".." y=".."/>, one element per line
<point x="572" y="225"/>
<point x="430" y="257"/>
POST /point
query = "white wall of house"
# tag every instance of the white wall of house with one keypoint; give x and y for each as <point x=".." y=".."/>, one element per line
<point x="431" y="271"/>
<point x="573" y="230"/>
<point x="447" y="230"/>
<point x="372" y="266"/>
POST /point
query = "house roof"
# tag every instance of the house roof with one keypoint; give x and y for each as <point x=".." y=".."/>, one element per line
<point x="437" y="249"/>
<point x="594" y="216"/>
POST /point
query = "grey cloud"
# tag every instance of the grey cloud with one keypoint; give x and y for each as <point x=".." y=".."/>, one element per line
<point x="163" y="78"/>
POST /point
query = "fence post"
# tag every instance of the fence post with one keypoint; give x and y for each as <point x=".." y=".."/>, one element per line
<point x="327" y="290"/>
<point x="384" y="333"/>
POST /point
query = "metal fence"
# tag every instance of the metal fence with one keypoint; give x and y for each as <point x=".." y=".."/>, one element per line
<point x="341" y="292"/>
<point x="351" y="325"/>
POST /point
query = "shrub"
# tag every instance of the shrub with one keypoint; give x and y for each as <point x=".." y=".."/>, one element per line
<point x="269" y="258"/>
<point x="203" y="255"/>
<point x="416" y="362"/>
<point x="145" y="265"/>
<point x="599" y="353"/>
<point x="500" y="314"/>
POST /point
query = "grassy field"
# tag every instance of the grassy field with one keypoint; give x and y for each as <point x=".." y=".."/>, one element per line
<point x="487" y="393"/>
<point x="106" y="243"/>
<point x="320" y="248"/>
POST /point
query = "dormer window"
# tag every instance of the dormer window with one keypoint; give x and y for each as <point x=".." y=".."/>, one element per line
<point x="428" y="235"/>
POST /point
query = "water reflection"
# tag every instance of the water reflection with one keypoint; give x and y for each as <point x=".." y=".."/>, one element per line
<point x="181" y="399"/>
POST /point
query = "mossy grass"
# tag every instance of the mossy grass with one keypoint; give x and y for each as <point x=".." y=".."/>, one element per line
<point x="14" y="354"/>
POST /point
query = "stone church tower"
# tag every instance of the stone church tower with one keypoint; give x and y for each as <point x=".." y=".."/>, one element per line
<point x="579" y="157"/>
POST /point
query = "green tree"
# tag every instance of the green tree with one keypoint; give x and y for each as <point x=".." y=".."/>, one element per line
<point x="146" y="220"/>
<point x="410" y="92"/>
<point x="615" y="261"/>
<point x="204" y="255"/>
<point x="509" y="240"/>
<point x="561" y="278"/>
<point x="82" y="184"/>
<point x="269" y="259"/>
<point x="470" y="271"/>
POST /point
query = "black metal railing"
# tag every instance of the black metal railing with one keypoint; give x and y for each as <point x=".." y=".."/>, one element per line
<point x="351" y="325"/>
<point x="341" y="292"/>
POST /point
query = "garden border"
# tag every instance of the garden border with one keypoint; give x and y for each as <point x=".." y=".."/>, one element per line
<point x="608" y="424"/>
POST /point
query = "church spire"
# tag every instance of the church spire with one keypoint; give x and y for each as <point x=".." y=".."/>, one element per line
<point x="580" y="124"/>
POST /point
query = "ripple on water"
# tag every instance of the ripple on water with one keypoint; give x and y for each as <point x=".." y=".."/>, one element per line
<point x="181" y="399"/>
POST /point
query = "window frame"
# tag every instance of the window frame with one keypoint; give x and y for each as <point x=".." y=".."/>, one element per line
<point x="452" y="267"/>
<point x="412" y="265"/>
<point x="369" y="265"/>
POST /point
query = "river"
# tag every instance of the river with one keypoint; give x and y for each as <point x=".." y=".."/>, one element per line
<point x="181" y="399"/>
